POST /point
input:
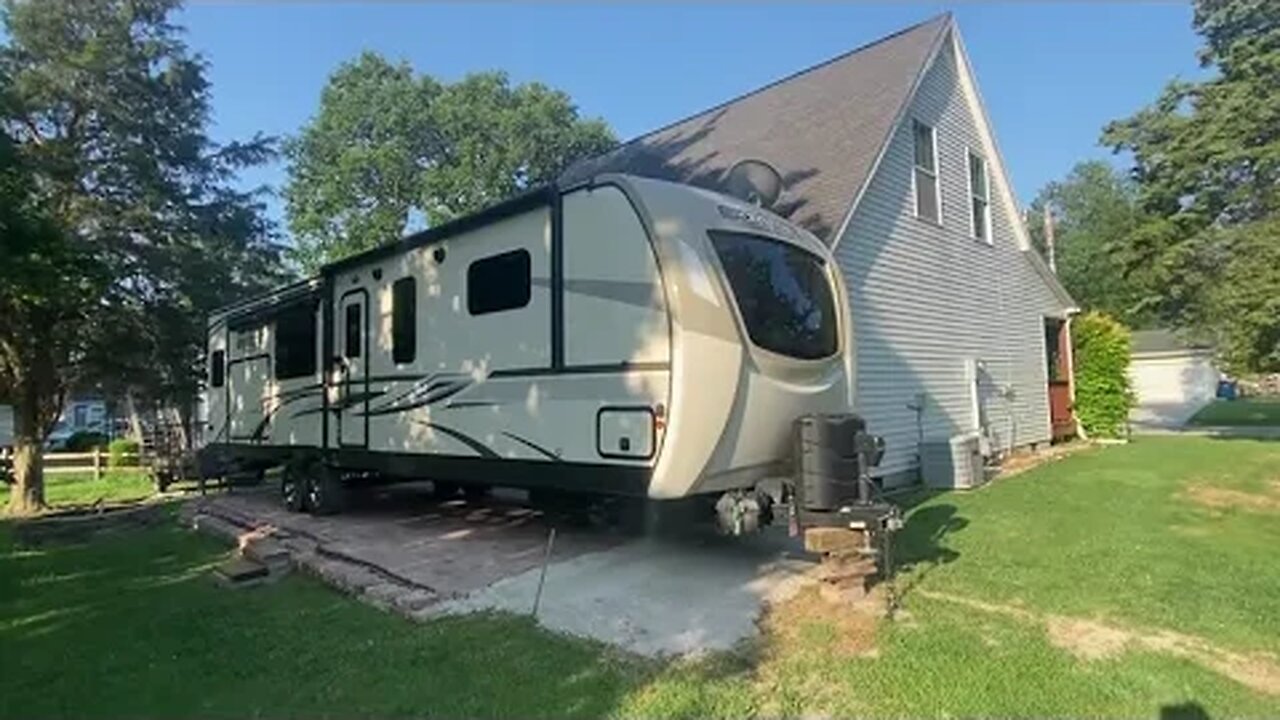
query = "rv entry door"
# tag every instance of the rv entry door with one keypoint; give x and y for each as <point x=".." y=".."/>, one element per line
<point x="353" y="368"/>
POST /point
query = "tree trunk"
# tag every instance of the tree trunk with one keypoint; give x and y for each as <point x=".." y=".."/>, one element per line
<point x="27" y="494"/>
<point x="135" y="421"/>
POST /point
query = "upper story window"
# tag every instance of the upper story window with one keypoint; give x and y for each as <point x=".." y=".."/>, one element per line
<point x="979" y="198"/>
<point x="925" y="174"/>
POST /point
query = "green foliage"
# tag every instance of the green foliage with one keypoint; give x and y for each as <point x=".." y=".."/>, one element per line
<point x="123" y="452"/>
<point x="129" y="230"/>
<point x="85" y="440"/>
<point x="1101" y="355"/>
<point x="1095" y="211"/>
<point x="388" y="148"/>
<point x="1242" y="298"/>
<point x="1211" y="149"/>
<point x="1189" y="241"/>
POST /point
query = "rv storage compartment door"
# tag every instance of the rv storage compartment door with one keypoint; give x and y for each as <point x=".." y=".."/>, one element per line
<point x="625" y="433"/>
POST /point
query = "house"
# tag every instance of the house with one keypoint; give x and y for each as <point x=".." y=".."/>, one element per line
<point x="1171" y="377"/>
<point x="887" y="154"/>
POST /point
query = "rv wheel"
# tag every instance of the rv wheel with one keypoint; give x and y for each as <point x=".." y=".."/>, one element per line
<point x="292" y="481"/>
<point x="326" y="495"/>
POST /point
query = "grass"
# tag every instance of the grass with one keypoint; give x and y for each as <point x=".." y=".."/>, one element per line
<point x="61" y="489"/>
<point x="1253" y="412"/>
<point x="132" y="625"/>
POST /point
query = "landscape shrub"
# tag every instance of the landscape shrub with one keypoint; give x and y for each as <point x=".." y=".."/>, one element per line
<point x="123" y="453"/>
<point x="1104" y="397"/>
<point x="85" y="441"/>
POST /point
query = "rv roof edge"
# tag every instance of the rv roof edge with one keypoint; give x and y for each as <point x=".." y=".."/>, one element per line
<point x="541" y="195"/>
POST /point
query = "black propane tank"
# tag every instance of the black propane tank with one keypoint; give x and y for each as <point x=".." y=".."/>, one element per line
<point x="833" y="455"/>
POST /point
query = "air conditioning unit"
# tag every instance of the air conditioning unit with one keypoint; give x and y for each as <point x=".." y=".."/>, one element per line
<point x="956" y="462"/>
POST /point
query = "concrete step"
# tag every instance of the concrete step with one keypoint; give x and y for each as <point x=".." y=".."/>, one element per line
<point x="241" y="572"/>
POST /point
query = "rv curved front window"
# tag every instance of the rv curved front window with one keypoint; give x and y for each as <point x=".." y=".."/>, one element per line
<point x="783" y="294"/>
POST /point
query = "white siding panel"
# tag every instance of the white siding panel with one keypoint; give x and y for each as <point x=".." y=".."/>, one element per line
<point x="926" y="298"/>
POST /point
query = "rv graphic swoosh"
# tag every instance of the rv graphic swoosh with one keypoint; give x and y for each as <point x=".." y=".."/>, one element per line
<point x="480" y="448"/>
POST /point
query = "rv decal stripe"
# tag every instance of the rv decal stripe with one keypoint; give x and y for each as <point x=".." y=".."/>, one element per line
<point x="347" y="403"/>
<point x="640" y="294"/>
<point x="532" y="445"/>
<point x="582" y="370"/>
<point x="441" y="392"/>
<point x="260" y="431"/>
<point x="458" y="404"/>
<point x="480" y="448"/>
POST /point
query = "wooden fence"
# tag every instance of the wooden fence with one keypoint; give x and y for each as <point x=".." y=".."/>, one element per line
<point x="95" y="461"/>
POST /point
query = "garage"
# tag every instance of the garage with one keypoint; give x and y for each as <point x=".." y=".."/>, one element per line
<point x="1172" y="378"/>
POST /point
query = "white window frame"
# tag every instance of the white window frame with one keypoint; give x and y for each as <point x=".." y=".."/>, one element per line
<point x="969" y="157"/>
<point x="937" y="179"/>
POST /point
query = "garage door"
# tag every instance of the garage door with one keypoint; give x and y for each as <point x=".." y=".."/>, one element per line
<point x="1171" y="388"/>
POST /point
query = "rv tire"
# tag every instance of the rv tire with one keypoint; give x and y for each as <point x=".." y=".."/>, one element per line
<point x="293" y="483"/>
<point x="325" y="494"/>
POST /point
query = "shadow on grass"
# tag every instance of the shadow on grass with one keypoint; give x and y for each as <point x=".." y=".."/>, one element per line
<point x="920" y="546"/>
<point x="141" y="602"/>
<point x="1184" y="711"/>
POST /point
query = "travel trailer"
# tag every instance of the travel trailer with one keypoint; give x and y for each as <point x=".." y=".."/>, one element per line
<point x="622" y="336"/>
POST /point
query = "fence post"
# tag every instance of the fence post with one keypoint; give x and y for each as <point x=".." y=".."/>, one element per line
<point x="97" y="463"/>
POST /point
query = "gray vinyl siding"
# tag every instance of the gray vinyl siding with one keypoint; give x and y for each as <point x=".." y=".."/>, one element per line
<point x="925" y="297"/>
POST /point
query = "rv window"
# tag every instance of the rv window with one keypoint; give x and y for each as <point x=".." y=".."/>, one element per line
<point x="500" y="282"/>
<point x="404" y="323"/>
<point x="353" y="336"/>
<point x="217" y="368"/>
<point x="296" y="342"/>
<point x="783" y="294"/>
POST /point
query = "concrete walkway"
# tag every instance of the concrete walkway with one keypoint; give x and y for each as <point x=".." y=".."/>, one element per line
<point x="1258" y="432"/>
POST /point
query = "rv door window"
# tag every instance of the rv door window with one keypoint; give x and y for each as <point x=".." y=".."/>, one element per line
<point x="404" y="323"/>
<point x="217" y="368"/>
<point x="295" y="342"/>
<point x="352" y="336"/>
<point x="499" y="282"/>
<point x="783" y="294"/>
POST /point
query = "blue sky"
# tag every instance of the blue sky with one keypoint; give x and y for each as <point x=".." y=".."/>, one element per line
<point x="1051" y="74"/>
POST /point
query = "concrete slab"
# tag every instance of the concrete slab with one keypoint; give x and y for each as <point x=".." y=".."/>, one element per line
<point x="403" y="551"/>
<point x="656" y="597"/>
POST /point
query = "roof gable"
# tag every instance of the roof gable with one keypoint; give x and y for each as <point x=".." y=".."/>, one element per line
<point x="822" y="128"/>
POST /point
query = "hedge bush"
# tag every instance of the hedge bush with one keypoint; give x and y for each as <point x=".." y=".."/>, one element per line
<point x="1104" y="397"/>
<point x="122" y="453"/>
<point x="83" y="441"/>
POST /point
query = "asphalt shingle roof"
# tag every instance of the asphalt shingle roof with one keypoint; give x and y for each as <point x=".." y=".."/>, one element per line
<point x="822" y="128"/>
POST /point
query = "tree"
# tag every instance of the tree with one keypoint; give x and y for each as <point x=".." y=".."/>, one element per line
<point x="388" y="147"/>
<point x="355" y="171"/>
<point x="1242" y="308"/>
<point x="1095" y="211"/>
<point x="49" y="286"/>
<point x="105" y="109"/>
<point x="1207" y="159"/>
<point x="1210" y="150"/>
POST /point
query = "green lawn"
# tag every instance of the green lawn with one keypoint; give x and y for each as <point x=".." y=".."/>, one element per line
<point x="82" y="489"/>
<point x="1246" y="411"/>
<point x="1166" y="533"/>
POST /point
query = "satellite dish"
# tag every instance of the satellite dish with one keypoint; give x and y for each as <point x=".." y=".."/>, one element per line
<point x="754" y="181"/>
